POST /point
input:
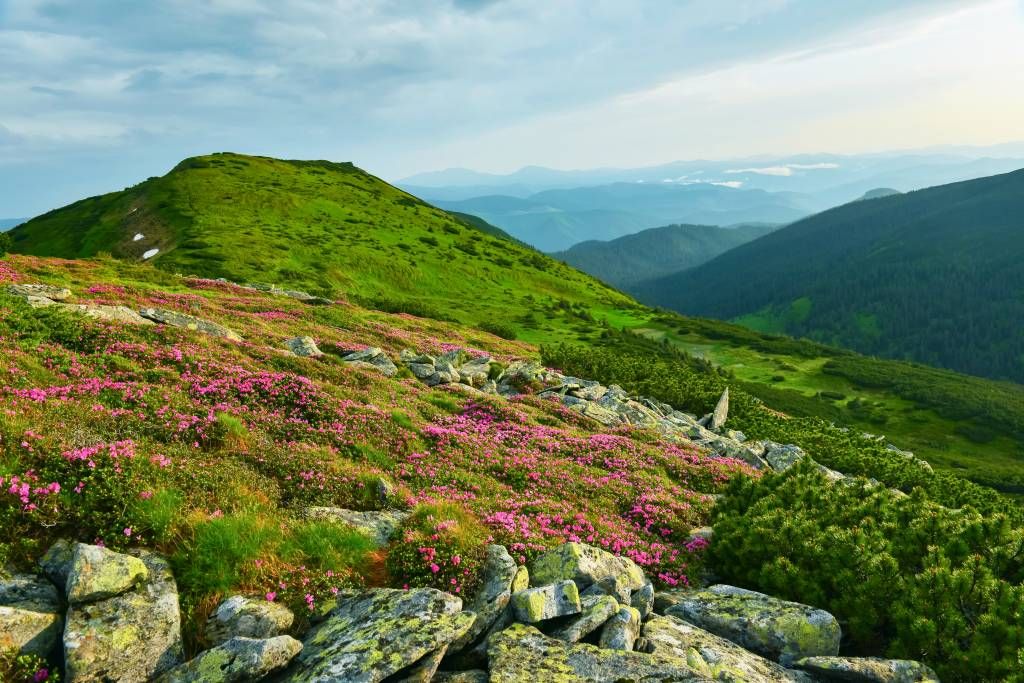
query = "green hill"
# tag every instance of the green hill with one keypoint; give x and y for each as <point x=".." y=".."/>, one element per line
<point x="628" y="260"/>
<point x="326" y="227"/>
<point x="933" y="276"/>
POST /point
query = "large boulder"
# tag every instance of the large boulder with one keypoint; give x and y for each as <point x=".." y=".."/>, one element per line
<point x="708" y="654"/>
<point x="546" y="602"/>
<point x="774" y="628"/>
<point x="40" y="291"/>
<point x="522" y="654"/>
<point x="31" y="619"/>
<point x="56" y="561"/>
<point x="596" y="610"/>
<point x="189" y="322"/>
<point x="492" y="597"/>
<point x="247" y="617"/>
<point x="239" y="660"/>
<point x="97" y="573"/>
<point x="643" y="601"/>
<point x="111" y="314"/>
<point x="375" y="633"/>
<point x="721" y="412"/>
<point x="129" y="638"/>
<point x="303" y="346"/>
<point x="380" y="525"/>
<point x="622" y="630"/>
<point x="781" y="457"/>
<point x="375" y="358"/>
<point x="585" y="565"/>
<point x="867" y="670"/>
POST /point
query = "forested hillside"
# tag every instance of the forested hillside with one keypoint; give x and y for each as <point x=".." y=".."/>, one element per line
<point x="932" y="275"/>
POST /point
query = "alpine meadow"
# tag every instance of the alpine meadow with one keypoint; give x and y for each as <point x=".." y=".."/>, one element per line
<point x="509" y="341"/>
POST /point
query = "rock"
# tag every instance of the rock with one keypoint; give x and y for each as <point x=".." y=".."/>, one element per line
<point x="375" y="633"/>
<point x="31" y="619"/>
<point x="247" y="618"/>
<point x="596" y="610"/>
<point x="112" y="314"/>
<point x="585" y="565"/>
<point x="521" y="581"/>
<point x="721" y="412"/>
<point x="708" y="654"/>
<point x="867" y="670"/>
<point x="622" y="630"/>
<point x="493" y="596"/>
<point x="522" y="654"/>
<point x="380" y="525"/>
<point x="422" y="371"/>
<point x="665" y="599"/>
<point x="97" y="574"/>
<point x="374" y="357"/>
<point x="771" y="627"/>
<point x="239" y="659"/>
<point x="471" y="676"/>
<point x="643" y="601"/>
<point x="616" y="586"/>
<point x="475" y="372"/>
<point x="56" y="561"/>
<point x="609" y="418"/>
<point x="546" y="602"/>
<point x="409" y="356"/>
<point x="781" y="458"/>
<point x="304" y="346"/>
<point x="422" y="671"/>
<point x="43" y="291"/>
<point x="189" y="322"/>
<point x="128" y="638"/>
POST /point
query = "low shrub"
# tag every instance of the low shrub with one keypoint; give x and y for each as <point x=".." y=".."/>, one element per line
<point x="498" y="329"/>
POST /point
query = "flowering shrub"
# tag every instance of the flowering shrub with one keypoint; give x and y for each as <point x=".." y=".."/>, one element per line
<point x="15" y="668"/>
<point x="440" y="546"/>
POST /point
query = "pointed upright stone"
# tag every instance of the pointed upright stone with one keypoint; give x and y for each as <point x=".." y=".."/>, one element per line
<point x="721" y="413"/>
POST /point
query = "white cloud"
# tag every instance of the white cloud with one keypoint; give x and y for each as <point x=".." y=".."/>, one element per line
<point x="767" y="170"/>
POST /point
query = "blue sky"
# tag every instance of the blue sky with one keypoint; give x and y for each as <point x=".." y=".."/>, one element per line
<point x="98" y="94"/>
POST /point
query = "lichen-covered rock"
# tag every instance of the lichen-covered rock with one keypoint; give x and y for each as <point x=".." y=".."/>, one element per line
<point x="31" y="619"/>
<point x="616" y="585"/>
<point x="189" y="322"/>
<point x="781" y="458"/>
<point x="708" y="654"/>
<point x="492" y="597"/>
<point x="128" y="638"/>
<point x="621" y="631"/>
<point x="867" y="670"/>
<point x="304" y="346"/>
<point x="97" y="573"/>
<point x="248" y="618"/>
<point x="56" y="561"/>
<point x="380" y="525"/>
<point x="642" y="601"/>
<point x="774" y="628"/>
<point x="521" y="580"/>
<point x="475" y="372"/>
<point x="375" y="633"/>
<point x="546" y="602"/>
<point x="422" y="671"/>
<point x="113" y="314"/>
<point x="374" y="357"/>
<point x="238" y="660"/>
<point x="585" y="565"/>
<point x="522" y="654"/>
<point x="596" y="610"/>
<point x="36" y="290"/>
<point x="470" y="676"/>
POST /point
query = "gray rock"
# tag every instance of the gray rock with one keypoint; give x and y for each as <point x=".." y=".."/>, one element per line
<point x="36" y="290"/>
<point x="409" y="356"/>
<point x="867" y="670"/>
<point x="781" y="458"/>
<point x="189" y="322"/>
<point x="773" y="628"/>
<point x="375" y="633"/>
<point x="56" y="562"/>
<point x="112" y="314"/>
<point x="596" y="610"/>
<point x="522" y="654"/>
<point x="422" y="671"/>
<point x="239" y="660"/>
<point x="380" y="525"/>
<point x="546" y="602"/>
<point x="708" y="654"/>
<point x="304" y="346"/>
<point x="422" y="371"/>
<point x="129" y="638"/>
<point x="31" y="619"/>
<point x="248" y="618"/>
<point x="585" y="565"/>
<point x="492" y="597"/>
<point x="721" y="412"/>
<point x="643" y="600"/>
<point x="374" y="357"/>
<point x="470" y="676"/>
<point x="475" y="372"/>
<point x="621" y="631"/>
<point x="97" y="573"/>
<point x="616" y="585"/>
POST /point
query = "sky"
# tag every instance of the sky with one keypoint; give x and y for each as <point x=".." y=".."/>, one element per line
<point x="96" y="95"/>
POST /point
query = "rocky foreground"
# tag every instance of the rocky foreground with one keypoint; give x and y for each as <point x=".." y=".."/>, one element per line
<point x="577" y="613"/>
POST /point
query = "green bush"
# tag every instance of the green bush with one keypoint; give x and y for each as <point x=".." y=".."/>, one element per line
<point x="503" y="330"/>
<point x="6" y="243"/>
<point x="441" y="546"/>
<point x="905" y="576"/>
<point x="15" y="668"/>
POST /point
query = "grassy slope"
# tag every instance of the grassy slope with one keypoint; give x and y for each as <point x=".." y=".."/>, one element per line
<point x="331" y="227"/>
<point x="326" y="227"/>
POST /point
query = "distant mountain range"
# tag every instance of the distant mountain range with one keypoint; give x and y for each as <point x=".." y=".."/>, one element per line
<point x="8" y="223"/>
<point x="555" y="220"/>
<point x="629" y="260"/>
<point x="934" y="276"/>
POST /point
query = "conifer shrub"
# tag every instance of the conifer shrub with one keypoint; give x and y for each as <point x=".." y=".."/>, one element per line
<point x="441" y="545"/>
<point x="498" y="329"/>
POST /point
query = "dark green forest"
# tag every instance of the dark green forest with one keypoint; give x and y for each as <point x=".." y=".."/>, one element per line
<point x="933" y="276"/>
